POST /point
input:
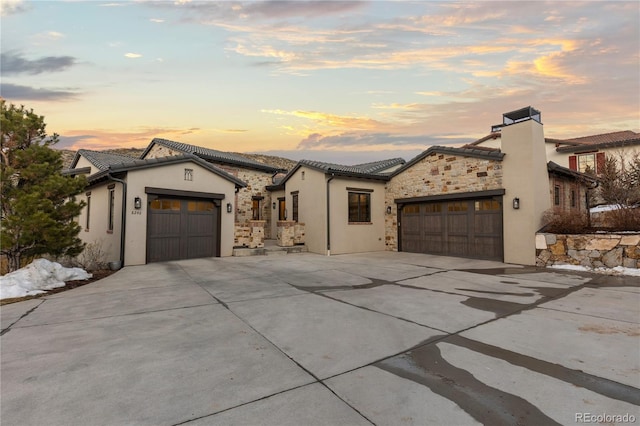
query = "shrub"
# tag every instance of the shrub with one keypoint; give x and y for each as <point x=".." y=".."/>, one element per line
<point x="562" y="222"/>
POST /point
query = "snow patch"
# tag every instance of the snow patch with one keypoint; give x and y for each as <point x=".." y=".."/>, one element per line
<point x="37" y="277"/>
<point x="618" y="270"/>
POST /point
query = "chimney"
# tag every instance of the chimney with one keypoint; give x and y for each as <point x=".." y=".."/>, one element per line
<point x="526" y="182"/>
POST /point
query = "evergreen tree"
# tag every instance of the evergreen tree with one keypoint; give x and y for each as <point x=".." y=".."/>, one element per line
<point x="38" y="202"/>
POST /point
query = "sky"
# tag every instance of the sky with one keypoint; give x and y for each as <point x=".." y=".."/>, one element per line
<point x="345" y="82"/>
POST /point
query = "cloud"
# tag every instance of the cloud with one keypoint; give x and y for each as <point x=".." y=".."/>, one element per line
<point x="12" y="7"/>
<point x="13" y="63"/>
<point x="377" y="141"/>
<point x="99" y="139"/>
<point x="344" y="156"/>
<point x="156" y="20"/>
<point x="132" y="55"/>
<point x="331" y="120"/>
<point x="16" y="92"/>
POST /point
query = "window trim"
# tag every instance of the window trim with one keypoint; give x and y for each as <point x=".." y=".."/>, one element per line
<point x="295" y="206"/>
<point x="112" y="208"/>
<point x="362" y="216"/>
<point x="556" y="195"/>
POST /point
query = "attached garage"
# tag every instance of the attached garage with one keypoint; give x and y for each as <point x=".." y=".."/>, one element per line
<point x="182" y="225"/>
<point x="463" y="225"/>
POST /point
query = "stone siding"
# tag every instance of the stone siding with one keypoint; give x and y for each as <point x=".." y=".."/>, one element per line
<point x="589" y="250"/>
<point x="159" y="151"/>
<point x="434" y="175"/>
<point x="249" y="234"/>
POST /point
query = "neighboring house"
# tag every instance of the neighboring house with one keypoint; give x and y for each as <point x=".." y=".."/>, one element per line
<point x="182" y="201"/>
<point x="342" y="207"/>
<point x="584" y="154"/>
<point x="156" y="209"/>
<point x="252" y="202"/>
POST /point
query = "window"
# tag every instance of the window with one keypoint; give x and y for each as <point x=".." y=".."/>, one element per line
<point x="487" y="205"/>
<point x="282" y="212"/>
<point x="411" y="209"/>
<point x="556" y="195"/>
<point x="458" y="206"/>
<point x="112" y="202"/>
<point x="165" y="205"/>
<point x="587" y="163"/>
<point x="573" y="198"/>
<point x="294" y="206"/>
<point x="188" y="174"/>
<point x="255" y="209"/>
<point x="200" y="206"/>
<point x="433" y="208"/>
<point x="88" y="211"/>
<point x="359" y="207"/>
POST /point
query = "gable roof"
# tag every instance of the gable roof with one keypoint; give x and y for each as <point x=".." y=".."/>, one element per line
<point x="373" y="170"/>
<point x="475" y="152"/>
<point x="211" y="155"/>
<point x="101" y="160"/>
<point x="604" y="140"/>
<point x="557" y="169"/>
<point x="114" y="163"/>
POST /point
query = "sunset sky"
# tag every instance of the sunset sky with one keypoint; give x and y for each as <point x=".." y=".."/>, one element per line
<point x="347" y="82"/>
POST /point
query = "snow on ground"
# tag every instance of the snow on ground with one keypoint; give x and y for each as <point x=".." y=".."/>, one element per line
<point x="618" y="270"/>
<point x="37" y="277"/>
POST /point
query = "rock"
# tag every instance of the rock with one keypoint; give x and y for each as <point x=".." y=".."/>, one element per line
<point x="551" y="238"/>
<point x="558" y="248"/>
<point x="613" y="258"/>
<point x="629" y="263"/>
<point x="541" y="242"/>
<point x="577" y="242"/>
<point x="602" y="244"/>
<point x="630" y="240"/>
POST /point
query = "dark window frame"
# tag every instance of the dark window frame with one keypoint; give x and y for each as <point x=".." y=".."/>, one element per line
<point x="88" y="218"/>
<point x="112" y="208"/>
<point x="362" y="212"/>
<point x="556" y="195"/>
<point x="295" y="201"/>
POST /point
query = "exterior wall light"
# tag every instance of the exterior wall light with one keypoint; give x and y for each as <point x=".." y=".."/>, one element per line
<point x="274" y="205"/>
<point x="388" y="209"/>
<point x="516" y="203"/>
<point x="229" y="208"/>
<point x="137" y="203"/>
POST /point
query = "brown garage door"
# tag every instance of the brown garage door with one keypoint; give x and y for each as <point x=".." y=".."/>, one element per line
<point x="182" y="229"/>
<point x="466" y="228"/>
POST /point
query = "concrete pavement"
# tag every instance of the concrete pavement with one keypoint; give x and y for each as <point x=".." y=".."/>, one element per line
<point x="374" y="338"/>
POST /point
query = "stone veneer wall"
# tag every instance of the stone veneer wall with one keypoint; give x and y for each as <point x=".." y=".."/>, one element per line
<point x="589" y="250"/>
<point x="250" y="234"/>
<point x="434" y="175"/>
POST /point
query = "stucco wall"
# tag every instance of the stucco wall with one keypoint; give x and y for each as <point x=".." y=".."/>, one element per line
<point x="526" y="177"/>
<point x="83" y="162"/>
<point x="97" y="233"/>
<point x="312" y="209"/>
<point x="172" y="177"/>
<point x="349" y="237"/>
<point x="434" y="175"/>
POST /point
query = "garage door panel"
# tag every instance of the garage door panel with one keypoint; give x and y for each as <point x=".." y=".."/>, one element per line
<point x="466" y="228"/>
<point x="182" y="229"/>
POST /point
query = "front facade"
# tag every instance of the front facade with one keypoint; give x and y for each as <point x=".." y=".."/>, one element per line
<point x="182" y="201"/>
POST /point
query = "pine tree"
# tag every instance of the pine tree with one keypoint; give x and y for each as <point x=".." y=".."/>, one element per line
<point x="38" y="202"/>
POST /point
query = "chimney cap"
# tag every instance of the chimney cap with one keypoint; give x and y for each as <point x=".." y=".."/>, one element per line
<point x="522" y="114"/>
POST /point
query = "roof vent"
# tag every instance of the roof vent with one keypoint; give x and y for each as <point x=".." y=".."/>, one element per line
<point x="523" y="114"/>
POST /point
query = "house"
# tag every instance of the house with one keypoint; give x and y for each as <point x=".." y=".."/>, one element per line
<point x="342" y="207"/>
<point x="156" y="209"/>
<point x="583" y="154"/>
<point x="252" y="202"/>
<point x="182" y="201"/>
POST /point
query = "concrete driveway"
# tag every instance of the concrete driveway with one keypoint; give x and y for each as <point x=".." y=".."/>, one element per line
<point x="302" y="339"/>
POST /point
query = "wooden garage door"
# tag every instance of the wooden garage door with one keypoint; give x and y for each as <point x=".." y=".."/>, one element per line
<point x="466" y="228"/>
<point x="182" y="229"/>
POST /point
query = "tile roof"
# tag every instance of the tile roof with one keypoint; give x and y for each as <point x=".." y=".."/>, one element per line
<point x="379" y="166"/>
<point x="137" y="164"/>
<point x="625" y="135"/>
<point x="558" y="169"/>
<point x="211" y="154"/>
<point x="102" y="160"/>
<point x="469" y="151"/>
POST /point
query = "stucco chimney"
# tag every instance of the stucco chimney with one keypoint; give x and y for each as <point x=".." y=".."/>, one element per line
<point x="525" y="178"/>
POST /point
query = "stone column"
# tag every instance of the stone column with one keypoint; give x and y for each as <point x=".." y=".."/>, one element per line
<point x="256" y="239"/>
<point x="286" y="233"/>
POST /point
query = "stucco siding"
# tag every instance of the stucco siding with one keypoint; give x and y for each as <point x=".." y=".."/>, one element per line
<point x="172" y="177"/>
<point x="83" y="162"/>
<point x="98" y="233"/>
<point x="349" y="237"/>
<point x="312" y="206"/>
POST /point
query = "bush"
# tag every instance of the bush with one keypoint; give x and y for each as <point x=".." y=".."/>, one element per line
<point x="562" y="222"/>
<point x="623" y="219"/>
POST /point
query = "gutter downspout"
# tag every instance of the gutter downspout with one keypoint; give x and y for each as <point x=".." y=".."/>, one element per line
<point x="124" y="215"/>
<point x="329" y="215"/>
